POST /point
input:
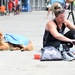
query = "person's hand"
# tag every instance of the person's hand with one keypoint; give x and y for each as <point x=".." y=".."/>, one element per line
<point x="73" y="42"/>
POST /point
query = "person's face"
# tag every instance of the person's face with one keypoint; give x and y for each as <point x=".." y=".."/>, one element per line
<point x="61" y="18"/>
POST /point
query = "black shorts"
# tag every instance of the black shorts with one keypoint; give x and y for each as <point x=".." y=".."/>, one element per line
<point x="17" y="8"/>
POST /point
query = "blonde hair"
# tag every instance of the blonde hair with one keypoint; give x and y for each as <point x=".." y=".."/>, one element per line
<point x="59" y="11"/>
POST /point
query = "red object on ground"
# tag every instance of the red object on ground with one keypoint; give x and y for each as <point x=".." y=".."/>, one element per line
<point x="37" y="56"/>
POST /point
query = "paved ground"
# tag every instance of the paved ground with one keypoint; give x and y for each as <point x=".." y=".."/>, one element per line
<point x="32" y="26"/>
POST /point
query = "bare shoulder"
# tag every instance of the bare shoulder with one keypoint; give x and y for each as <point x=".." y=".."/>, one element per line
<point x="67" y="22"/>
<point x="50" y="24"/>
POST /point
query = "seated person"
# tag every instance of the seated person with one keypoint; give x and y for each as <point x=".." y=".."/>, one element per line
<point x="54" y="34"/>
<point x="3" y="9"/>
<point x="15" y="42"/>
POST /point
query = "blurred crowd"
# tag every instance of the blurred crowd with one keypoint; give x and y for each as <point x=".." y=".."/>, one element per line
<point x="14" y="7"/>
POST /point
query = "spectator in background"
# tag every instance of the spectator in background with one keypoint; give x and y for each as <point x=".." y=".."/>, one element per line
<point x="10" y="6"/>
<point x="74" y="4"/>
<point x="19" y="7"/>
<point x="49" y="7"/>
<point x="15" y="6"/>
<point x="66" y="5"/>
<point x="62" y="2"/>
<point x="3" y="10"/>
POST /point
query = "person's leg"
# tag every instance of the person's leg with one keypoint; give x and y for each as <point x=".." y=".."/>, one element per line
<point x="70" y="34"/>
<point x="48" y="12"/>
<point x="14" y="9"/>
<point x="67" y="45"/>
<point x="17" y="9"/>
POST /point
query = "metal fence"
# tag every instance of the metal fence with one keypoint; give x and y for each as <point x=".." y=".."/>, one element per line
<point x="4" y="2"/>
<point x="35" y="4"/>
<point x="38" y="4"/>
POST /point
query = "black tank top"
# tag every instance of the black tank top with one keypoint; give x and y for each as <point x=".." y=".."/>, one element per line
<point x="48" y="38"/>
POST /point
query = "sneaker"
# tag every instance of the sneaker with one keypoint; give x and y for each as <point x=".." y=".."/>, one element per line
<point x="71" y="54"/>
<point x="66" y="56"/>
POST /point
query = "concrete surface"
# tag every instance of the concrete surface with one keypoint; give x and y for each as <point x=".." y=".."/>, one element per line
<point x="31" y="25"/>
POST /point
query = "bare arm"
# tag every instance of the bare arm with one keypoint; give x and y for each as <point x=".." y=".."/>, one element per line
<point x="52" y="28"/>
<point x="69" y="24"/>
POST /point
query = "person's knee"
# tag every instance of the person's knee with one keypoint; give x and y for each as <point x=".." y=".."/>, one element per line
<point x="70" y="34"/>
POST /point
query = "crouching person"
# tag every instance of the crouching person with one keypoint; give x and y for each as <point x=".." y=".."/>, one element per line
<point x="54" y="34"/>
<point x="15" y="42"/>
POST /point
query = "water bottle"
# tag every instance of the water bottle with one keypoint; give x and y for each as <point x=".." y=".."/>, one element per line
<point x="61" y="48"/>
